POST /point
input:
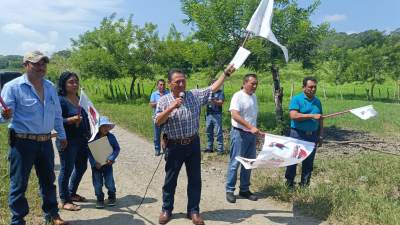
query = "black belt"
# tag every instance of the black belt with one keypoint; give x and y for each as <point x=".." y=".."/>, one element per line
<point x="306" y="132"/>
<point x="184" y="141"/>
<point x="239" y="129"/>
<point x="213" y="113"/>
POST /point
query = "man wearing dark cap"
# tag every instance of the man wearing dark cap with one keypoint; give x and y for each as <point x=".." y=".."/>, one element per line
<point x="214" y="121"/>
<point x="35" y="109"/>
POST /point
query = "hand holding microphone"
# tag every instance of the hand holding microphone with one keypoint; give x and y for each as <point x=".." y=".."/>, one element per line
<point x="178" y="101"/>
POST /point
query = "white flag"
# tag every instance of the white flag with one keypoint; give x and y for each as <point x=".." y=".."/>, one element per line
<point x="279" y="151"/>
<point x="260" y="24"/>
<point x="240" y="57"/>
<point x="365" y="112"/>
<point x="93" y="115"/>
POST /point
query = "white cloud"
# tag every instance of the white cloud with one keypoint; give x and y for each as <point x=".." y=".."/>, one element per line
<point x="350" y="32"/>
<point x="334" y="18"/>
<point x="46" y="48"/>
<point x="18" y="29"/>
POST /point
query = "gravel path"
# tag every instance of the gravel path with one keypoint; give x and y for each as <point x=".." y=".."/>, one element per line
<point x="132" y="172"/>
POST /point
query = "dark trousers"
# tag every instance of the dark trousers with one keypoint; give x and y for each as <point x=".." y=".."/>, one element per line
<point x="308" y="163"/>
<point x="177" y="155"/>
<point x="101" y="176"/>
<point x="73" y="160"/>
<point x="23" y="156"/>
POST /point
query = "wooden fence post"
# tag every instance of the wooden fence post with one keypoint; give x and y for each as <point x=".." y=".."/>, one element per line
<point x="138" y="89"/>
<point x="388" y="92"/>
<point x="116" y="91"/>
<point x="144" y="98"/>
<point x="380" y="97"/>
<point x="96" y="88"/>
<point x="88" y="88"/>
<point x="92" y="88"/>
<point x="196" y="86"/>
<point x="367" y="93"/>
<point x="126" y="94"/>
<point x="291" y="94"/>
<point x="326" y="99"/>
<point x="111" y="91"/>
<point x="102" y="89"/>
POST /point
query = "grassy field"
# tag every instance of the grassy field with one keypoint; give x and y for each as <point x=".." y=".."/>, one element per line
<point x="32" y="193"/>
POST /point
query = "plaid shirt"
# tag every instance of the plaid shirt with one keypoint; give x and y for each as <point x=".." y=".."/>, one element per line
<point x="184" y="121"/>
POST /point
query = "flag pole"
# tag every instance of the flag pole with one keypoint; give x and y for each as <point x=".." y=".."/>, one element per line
<point x="337" y="114"/>
<point x="245" y="40"/>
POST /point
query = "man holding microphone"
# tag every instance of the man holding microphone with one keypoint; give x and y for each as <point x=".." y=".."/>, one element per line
<point x="180" y="112"/>
<point x="35" y="109"/>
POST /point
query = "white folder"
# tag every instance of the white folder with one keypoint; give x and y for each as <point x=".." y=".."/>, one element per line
<point x="101" y="150"/>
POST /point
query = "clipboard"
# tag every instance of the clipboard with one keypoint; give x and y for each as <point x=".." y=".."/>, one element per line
<point x="101" y="150"/>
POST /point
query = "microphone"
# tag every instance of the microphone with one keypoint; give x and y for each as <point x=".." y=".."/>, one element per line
<point x="182" y="95"/>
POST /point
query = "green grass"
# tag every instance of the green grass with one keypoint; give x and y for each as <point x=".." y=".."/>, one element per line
<point x="32" y="193"/>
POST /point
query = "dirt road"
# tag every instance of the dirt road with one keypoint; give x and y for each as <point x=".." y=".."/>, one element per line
<point x="132" y="172"/>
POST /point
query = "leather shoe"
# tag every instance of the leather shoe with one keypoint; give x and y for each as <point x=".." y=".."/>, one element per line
<point x="59" y="221"/>
<point x="164" y="217"/>
<point x="196" y="218"/>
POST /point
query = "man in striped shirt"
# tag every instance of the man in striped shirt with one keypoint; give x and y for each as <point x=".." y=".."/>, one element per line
<point x="179" y="112"/>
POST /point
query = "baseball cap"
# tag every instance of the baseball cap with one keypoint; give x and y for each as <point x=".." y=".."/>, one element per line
<point x="35" y="56"/>
<point x="105" y="120"/>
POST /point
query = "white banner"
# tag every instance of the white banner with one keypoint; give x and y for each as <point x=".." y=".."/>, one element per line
<point x="279" y="151"/>
<point x="365" y="112"/>
<point x="260" y="24"/>
<point x="93" y="115"/>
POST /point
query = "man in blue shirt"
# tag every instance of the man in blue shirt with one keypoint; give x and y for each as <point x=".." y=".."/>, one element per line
<point x="35" y="109"/>
<point x="155" y="96"/>
<point x="214" y="121"/>
<point x="307" y="124"/>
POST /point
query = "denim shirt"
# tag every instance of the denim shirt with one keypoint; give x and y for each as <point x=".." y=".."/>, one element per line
<point x="31" y="115"/>
<point x="115" y="146"/>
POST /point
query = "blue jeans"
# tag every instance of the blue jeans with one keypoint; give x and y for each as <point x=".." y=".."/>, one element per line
<point x="214" y="121"/>
<point x="157" y="137"/>
<point x="308" y="163"/>
<point x="74" y="156"/>
<point x="242" y="144"/>
<point x="191" y="156"/>
<point x="105" y="171"/>
<point x="23" y="156"/>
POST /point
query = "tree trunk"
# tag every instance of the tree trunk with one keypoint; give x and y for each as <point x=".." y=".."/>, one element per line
<point x="111" y="91"/>
<point x="291" y="94"/>
<point x="372" y="92"/>
<point x="278" y="94"/>
<point x="151" y="92"/>
<point x="367" y="93"/>
<point x="126" y="94"/>
<point x="138" y="90"/>
<point x="132" y="91"/>
<point x="380" y="97"/>
<point x="144" y="98"/>
<point x="338" y="82"/>
<point x="107" y="88"/>
<point x="326" y="99"/>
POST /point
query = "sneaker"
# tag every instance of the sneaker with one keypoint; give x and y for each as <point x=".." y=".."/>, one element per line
<point x="230" y="197"/>
<point x="158" y="153"/>
<point x="248" y="195"/>
<point x="100" y="202"/>
<point x="112" y="200"/>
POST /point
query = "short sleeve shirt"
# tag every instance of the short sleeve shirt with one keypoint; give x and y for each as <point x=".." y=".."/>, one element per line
<point x="213" y="108"/>
<point x="305" y="106"/>
<point x="155" y="96"/>
<point x="184" y="121"/>
<point x="247" y="107"/>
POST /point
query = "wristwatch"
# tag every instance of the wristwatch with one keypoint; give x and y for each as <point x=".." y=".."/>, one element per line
<point x="227" y="74"/>
<point x="320" y="137"/>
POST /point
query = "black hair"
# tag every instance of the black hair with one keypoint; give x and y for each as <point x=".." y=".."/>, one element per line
<point x="247" y="77"/>
<point x="63" y="80"/>
<point x="305" y="80"/>
<point x="174" y="70"/>
<point x="160" y="80"/>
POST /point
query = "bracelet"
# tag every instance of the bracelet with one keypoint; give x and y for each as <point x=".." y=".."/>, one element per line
<point x="227" y="74"/>
<point x="169" y="109"/>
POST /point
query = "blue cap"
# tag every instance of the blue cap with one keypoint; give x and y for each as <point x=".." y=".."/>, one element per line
<point x="105" y="120"/>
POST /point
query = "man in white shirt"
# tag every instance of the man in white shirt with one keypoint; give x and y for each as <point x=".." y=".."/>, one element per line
<point x="244" y="111"/>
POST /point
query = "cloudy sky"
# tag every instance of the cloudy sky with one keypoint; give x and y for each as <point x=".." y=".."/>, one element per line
<point x="48" y="25"/>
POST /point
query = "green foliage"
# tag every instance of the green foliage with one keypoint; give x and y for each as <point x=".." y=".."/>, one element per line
<point x="15" y="65"/>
